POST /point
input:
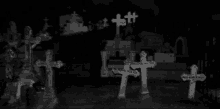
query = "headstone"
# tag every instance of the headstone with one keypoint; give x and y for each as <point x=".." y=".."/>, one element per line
<point x="105" y="22"/>
<point x="49" y="64"/>
<point x="119" y="22"/>
<point x="125" y="71"/>
<point x="150" y="58"/>
<point x="132" y="55"/>
<point x="149" y="40"/>
<point x="193" y="77"/>
<point x="129" y="17"/>
<point x="164" y="57"/>
<point x="28" y="40"/>
<point x="125" y="47"/>
<point x="22" y="82"/>
<point x="181" y="47"/>
<point x="144" y="65"/>
<point x="134" y="17"/>
<point x="12" y="35"/>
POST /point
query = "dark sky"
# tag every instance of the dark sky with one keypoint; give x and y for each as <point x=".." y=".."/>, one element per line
<point x="167" y="16"/>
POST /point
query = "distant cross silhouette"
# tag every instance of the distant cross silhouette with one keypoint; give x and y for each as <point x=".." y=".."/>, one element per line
<point x="46" y="26"/>
<point x="13" y="27"/>
<point x="49" y="64"/>
<point x="119" y="22"/>
<point x="105" y="22"/>
<point x="134" y="17"/>
<point x="13" y="34"/>
<point x="144" y="65"/>
<point x="28" y="40"/>
<point x="129" y="17"/>
<point x="193" y="77"/>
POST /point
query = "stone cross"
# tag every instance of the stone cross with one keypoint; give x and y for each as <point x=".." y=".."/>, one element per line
<point x="119" y="22"/>
<point x="125" y="71"/>
<point x="193" y="77"/>
<point x="12" y="35"/>
<point x="22" y="82"/>
<point x="31" y="42"/>
<point x="28" y="40"/>
<point x="49" y="64"/>
<point x="105" y="22"/>
<point x="134" y="17"/>
<point x="129" y="17"/>
<point x="144" y="65"/>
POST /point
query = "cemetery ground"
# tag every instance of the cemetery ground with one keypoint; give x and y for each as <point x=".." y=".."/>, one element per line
<point x="92" y="93"/>
<point x="85" y="95"/>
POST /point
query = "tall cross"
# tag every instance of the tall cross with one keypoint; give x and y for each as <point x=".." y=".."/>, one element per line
<point x="49" y="64"/>
<point x="193" y="77"/>
<point x="12" y="35"/>
<point x="28" y="40"/>
<point x="119" y="22"/>
<point x="144" y="65"/>
<point x="125" y="71"/>
<point x="31" y="42"/>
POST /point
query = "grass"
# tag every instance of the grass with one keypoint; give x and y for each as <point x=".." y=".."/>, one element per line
<point x="168" y="95"/>
<point x="106" y="97"/>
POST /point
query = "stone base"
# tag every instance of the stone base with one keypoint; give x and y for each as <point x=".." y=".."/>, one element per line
<point x="121" y="96"/>
<point x="145" y="92"/>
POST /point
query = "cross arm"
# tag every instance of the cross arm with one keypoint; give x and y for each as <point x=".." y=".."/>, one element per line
<point x="185" y="77"/>
<point x="59" y="64"/>
<point x="126" y="72"/>
<point x="198" y="77"/>
<point x="40" y="63"/>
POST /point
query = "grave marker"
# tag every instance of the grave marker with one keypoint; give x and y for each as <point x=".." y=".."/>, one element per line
<point x="193" y="77"/>
<point x="119" y="22"/>
<point x="105" y="22"/>
<point x="125" y="71"/>
<point x="144" y="65"/>
<point x="134" y="16"/>
<point x="129" y="17"/>
<point x="49" y="64"/>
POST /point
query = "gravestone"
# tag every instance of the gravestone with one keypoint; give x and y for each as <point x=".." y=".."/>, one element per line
<point x="49" y="64"/>
<point x="193" y="78"/>
<point x="164" y="57"/>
